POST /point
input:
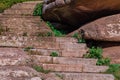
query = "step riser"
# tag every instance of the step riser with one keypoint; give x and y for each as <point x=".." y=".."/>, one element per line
<point x="74" y="61"/>
<point x="78" y="54"/>
<point x="61" y="60"/>
<point x="74" y="68"/>
<point x="85" y="76"/>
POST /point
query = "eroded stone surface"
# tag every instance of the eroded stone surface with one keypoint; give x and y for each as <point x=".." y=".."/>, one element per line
<point x="104" y="29"/>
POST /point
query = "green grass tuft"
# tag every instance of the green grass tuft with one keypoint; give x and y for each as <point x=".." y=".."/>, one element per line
<point x="4" y="4"/>
<point x="54" y="54"/>
<point x="79" y="38"/>
<point x="115" y="70"/>
<point x="96" y="52"/>
<point x="57" y="33"/>
<point x="40" y="69"/>
<point x="38" y="10"/>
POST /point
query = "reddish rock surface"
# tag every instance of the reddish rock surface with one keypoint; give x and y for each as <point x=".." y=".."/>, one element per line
<point x="103" y="29"/>
<point x="77" y="12"/>
<point x="113" y="53"/>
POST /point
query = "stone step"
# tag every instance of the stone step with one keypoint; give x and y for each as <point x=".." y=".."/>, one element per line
<point x="74" y="61"/>
<point x="17" y="71"/>
<point x="24" y="42"/>
<point x="85" y="76"/>
<point x="62" y="60"/>
<point x="44" y="52"/>
<point x="73" y="46"/>
<point x="33" y="2"/>
<point x="74" y="68"/>
<point x="24" y="25"/>
<point x="25" y="5"/>
<point x="59" y="51"/>
<point x="22" y="78"/>
<point x="66" y="39"/>
<point x="16" y="17"/>
<point x="74" y="53"/>
<point x="13" y="56"/>
<point x="23" y="12"/>
<point x="61" y="40"/>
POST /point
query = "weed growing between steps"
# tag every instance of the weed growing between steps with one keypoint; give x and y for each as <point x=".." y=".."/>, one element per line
<point x="28" y="48"/>
<point x="57" y="33"/>
<point x="79" y="38"/>
<point x="38" y="12"/>
<point x="115" y="70"/>
<point x="60" y="76"/>
<point x="54" y="54"/>
<point x="4" y="4"/>
<point x="40" y="69"/>
<point x="48" y="34"/>
<point x="96" y="52"/>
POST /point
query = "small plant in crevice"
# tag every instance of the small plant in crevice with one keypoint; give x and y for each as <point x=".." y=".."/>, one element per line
<point x="41" y="69"/>
<point x="1" y="30"/>
<point x="38" y="10"/>
<point x="57" y="33"/>
<point x="4" y="4"/>
<point x="115" y="70"/>
<point x="25" y="34"/>
<point x="60" y="76"/>
<point x="79" y="38"/>
<point x="96" y="52"/>
<point x="54" y="54"/>
<point x="28" y="48"/>
<point x="103" y="61"/>
<point x="48" y="34"/>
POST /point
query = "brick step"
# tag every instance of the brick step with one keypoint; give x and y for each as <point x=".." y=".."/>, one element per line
<point x="74" y="68"/>
<point x="18" y="12"/>
<point x="17" y="71"/>
<point x="62" y="60"/>
<point x="85" y="76"/>
<point x="13" y="56"/>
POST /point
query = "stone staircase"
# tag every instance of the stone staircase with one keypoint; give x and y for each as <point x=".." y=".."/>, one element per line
<point x="19" y="30"/>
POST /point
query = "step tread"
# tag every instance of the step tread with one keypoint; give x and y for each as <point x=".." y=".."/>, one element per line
<point x="17" y="71"/>
<point x="74" y="68"/>
<point x="13" y="56"/>
<point x="29" y="2"/>
<point x="19" y="12"/>
<point x="20" y="78"/>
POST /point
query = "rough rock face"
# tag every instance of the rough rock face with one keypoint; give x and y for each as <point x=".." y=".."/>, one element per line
<point x="104" y="29"/>
<point x="77" y="12"/>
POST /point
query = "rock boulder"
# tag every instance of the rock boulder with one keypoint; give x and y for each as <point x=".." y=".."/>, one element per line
<point x="78" y="12"/>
